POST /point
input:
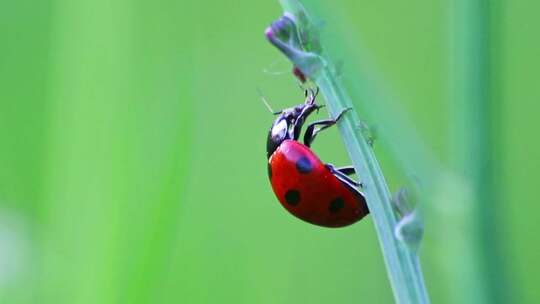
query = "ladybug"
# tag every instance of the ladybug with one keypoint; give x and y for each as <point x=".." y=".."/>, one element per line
<point x="311" y="190"/>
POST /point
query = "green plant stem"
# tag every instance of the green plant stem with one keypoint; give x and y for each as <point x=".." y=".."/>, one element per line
<point x="402" y="264"/>
<point x="297" y="39"/>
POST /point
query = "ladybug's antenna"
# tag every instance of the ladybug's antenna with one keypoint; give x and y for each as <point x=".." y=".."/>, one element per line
<point x="266" y="103"/>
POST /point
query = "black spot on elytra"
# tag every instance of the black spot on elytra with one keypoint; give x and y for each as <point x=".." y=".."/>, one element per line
<point x="336" y="205"/>
<point x="292" y="197"/>
<point x="303" y="165"/>
<point x="269" y="171"/>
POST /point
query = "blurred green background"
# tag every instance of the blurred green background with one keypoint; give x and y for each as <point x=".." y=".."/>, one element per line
<point x="132" y="167"/>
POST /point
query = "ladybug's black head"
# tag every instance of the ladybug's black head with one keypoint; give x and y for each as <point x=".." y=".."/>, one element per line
<point x="289" y="122"/>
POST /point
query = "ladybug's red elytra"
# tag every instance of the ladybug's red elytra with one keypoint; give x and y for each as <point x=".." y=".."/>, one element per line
<point x="315" y="192"/>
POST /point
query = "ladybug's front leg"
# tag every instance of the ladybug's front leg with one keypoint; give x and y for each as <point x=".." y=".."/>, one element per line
<point x="312" y="129"/>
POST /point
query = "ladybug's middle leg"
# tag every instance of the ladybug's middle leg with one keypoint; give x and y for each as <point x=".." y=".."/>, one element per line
<point x="312" y="129"/>
<point x="342" y="173"/>
<point x="348" y="170"/>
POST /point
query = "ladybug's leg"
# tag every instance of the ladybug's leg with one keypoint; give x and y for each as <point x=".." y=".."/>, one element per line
<point x="309" y="107"/>
<point x="341" y="173"/>
<point x="312" y="129"/>
<point x="348" y="170"/>
<point x="311" y="132"/>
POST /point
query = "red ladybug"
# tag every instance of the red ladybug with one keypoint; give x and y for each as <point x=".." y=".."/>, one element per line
<point x="315" y="192"/>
